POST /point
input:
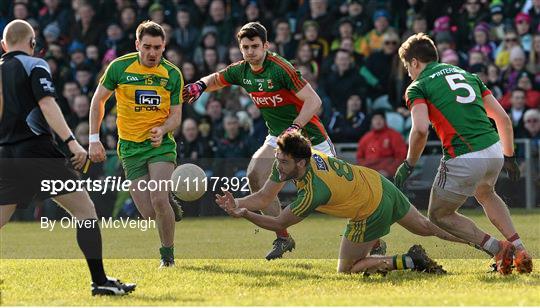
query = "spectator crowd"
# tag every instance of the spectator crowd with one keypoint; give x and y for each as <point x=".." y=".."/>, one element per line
<point x="346" y="50"/>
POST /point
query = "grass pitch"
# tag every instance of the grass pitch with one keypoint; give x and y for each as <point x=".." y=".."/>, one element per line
<point x="219" y="262"/>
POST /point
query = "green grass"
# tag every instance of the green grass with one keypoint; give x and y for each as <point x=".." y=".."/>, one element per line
<point x="219" y="263"/>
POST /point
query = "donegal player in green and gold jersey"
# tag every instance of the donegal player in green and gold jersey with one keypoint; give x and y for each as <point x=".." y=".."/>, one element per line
<point x="147" y="89"/>
<point x="332" y="186"/>
<point x="286" y="101"/>
<point x="459" y="106"/>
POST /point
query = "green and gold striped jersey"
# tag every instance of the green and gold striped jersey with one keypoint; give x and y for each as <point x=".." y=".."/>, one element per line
<point x="144" y="95"/>
<point x="335" y="187"/>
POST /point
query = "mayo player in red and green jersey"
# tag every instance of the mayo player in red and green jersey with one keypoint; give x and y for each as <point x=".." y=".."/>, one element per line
<point x="459" y="106"/>
<point x="286" y="101"/>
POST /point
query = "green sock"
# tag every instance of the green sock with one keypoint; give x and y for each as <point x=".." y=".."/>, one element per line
<point x="167" y="252"/>
<point x="401" y="262"/>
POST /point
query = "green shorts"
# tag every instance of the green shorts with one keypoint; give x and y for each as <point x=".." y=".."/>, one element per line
<point x="136" y="156"/>
<point x="393" y="206"/>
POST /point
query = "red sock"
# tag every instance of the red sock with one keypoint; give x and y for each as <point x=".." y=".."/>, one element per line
<point x="513" y="237"/>
<point x="282" y="233"/>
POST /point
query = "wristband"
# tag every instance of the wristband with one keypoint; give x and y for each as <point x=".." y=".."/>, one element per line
<point x="93" y="138"/>
<point x="202" y="85"/>
<point x="70" y="138"/>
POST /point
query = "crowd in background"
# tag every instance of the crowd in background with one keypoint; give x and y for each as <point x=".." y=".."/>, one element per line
<point x="346" y="50"/>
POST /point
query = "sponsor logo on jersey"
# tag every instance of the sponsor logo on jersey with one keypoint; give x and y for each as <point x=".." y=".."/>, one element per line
<point x="270" y="84"/>
<point x="265" y="101"/>
<point x="320" y="163"/>
<point x="147" y="100"/>
<point x="247" y="81"/>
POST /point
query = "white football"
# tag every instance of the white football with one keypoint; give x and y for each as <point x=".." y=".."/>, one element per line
<point x="189" y="182"/>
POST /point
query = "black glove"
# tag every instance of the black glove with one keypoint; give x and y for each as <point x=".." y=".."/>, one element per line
<point x="512" y="168"/>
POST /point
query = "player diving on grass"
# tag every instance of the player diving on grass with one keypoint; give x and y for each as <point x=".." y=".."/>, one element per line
<point x="28" y="155"/>
<point x="459" y="106"/>
<point x="286" y="100"/>
<point x="332" y="186"/>
<point x="147" y="89"/>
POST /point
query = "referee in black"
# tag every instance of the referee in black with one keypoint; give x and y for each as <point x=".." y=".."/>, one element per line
<point x="28" y="112"/>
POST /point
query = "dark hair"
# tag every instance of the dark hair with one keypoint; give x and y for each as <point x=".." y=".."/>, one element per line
<point x="420" y="47"/>
<point x="252" y="30"/>
<point x="295" y="145"/>
<point x="149" y="28"/>
<point x="519" y="90"/>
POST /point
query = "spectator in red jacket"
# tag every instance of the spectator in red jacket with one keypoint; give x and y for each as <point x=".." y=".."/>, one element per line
<point x="382" y="148"/>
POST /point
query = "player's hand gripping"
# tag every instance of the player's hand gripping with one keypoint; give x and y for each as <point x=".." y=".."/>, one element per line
<point x="79" y="154"/>
<point x="96" y="152"/>
<point x="402" y="173"/>
<point x="193" y="91"/>
<point x="511" y="167"/>
<point x="228" y="204"/>
<point x="156" y="136"/>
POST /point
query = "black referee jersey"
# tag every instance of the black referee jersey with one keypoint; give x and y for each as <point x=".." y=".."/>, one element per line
<point x="24" y="81"/>
<point x="27" y="152"/>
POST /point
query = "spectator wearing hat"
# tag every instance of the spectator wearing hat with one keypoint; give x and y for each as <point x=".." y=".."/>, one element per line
<point x="156" y="13"/>
<point x="358" y="16"/>
<point x="345" y="31"/>
<point x="186" y="34"/>
<point x="114" y="39"/>
<point x="442" y="24"/>
<point x="51" y="33"/>
<point x="523" y="26"/>
<point x="285" y="43"/>
<point x="373" y="40"/>
<point x="444" y="41"/>
<point x="382" y="69"/>
<point x="534" y="13"/>
<point x="481" y="41"/>
<point x="466" y="21"/>
<point x="532" y="96"/>
<point x="319" y="46"/>
<point x="382" y="148"/>
<point x="502" y="54"/>
<point x="209" y="39"/>
<point x="496" y="23"/>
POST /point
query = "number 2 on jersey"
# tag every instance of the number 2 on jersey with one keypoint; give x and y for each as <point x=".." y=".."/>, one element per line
<point x="461" y="85"/>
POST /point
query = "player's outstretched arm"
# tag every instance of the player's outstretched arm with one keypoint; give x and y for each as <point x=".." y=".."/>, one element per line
<point x="312" y="103"/>
<point x="97" y="111"/>
<point x="56" y="121"/>
<point x="210" y="83"/>
<point x="256" y="201"/>
<point x="285" y="219"/>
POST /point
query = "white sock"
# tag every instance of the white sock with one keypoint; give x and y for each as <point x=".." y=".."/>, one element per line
<point x="492" y="245"/>
<point x="518" y="244"/>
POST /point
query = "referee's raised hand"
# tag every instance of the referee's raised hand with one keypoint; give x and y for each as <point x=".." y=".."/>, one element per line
<point x="96" y="152"/>
<point x="79" y="154"/>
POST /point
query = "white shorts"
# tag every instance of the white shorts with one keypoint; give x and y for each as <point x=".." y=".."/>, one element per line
<point x="463" y="174"/>
<point x="326" y="146"/>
